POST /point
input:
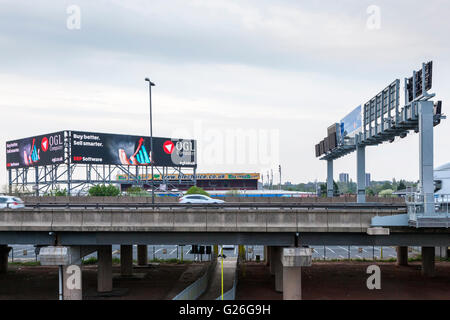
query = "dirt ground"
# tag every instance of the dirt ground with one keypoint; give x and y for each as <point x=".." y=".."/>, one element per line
<point x="347" y="281"/>
<point x="41" y="283"/>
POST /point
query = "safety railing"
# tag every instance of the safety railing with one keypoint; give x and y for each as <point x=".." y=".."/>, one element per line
<point x="416" y="204"/>
<point x="249" y="205"/>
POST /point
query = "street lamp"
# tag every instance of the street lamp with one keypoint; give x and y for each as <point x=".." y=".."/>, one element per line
<point x="150" y="85"/>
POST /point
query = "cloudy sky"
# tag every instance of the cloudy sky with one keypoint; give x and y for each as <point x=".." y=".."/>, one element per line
<point x="255" y="82"/>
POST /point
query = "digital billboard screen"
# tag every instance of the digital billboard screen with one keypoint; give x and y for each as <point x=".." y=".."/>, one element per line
<point x="117" y="149"/>
<point x="40" y="150"/>
<point x="351" y="123"/>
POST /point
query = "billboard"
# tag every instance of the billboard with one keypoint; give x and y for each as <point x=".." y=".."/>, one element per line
<point x="351" y="123"/>
<point x="40" y="150"/>
<point x="117" y="149"/>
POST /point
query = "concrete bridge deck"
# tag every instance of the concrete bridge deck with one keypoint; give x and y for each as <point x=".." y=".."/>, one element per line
<point x="185" y="219"/>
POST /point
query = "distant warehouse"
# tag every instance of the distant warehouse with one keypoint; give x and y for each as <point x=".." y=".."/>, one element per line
<point x="207" y="181"/>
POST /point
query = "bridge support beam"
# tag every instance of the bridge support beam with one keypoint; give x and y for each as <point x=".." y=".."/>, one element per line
<point x="142" y="255"/>
<point x="104" y="271"/>
<point x="4" y="251"/>
<point x="330" y="188"/>
<point x="277" y="253"/>
<point x="126" y="260"/>
<point x="402" y="256"/>
<point x="293" y="261"/>
<point x="428" y="261"/>
<point x="361" y="174"/>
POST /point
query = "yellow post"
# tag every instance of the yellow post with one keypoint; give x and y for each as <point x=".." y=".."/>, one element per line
<point x="242" y="258"/>
<point x="221" y="253"/>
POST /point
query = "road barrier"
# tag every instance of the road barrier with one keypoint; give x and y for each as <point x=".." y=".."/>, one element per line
<point x="196" y="289"/>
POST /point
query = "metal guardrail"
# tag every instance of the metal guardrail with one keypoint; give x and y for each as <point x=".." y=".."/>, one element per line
<point x="373" y="205"/>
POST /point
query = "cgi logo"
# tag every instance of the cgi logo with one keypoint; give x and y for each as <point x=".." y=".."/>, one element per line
<point x="75" y="158"/>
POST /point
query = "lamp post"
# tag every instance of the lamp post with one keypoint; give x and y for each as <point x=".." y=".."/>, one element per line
<point x="150" y="85"/>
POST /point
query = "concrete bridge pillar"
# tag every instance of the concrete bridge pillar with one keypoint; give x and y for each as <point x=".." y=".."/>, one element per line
<point x="72" y="282"/>
<point x="293" y="261"/>
<point x="72" y="279"/>
<point x="277" y="253"/>
<point x="428" y="261"/>
<point x="104" y="271"/>
<point x="4" y="251"/>
<point x="271" y="258"/>
<point x="126" y="260"/>
<point x="402" y="256"/>
<point x="442" y="252"/>
<point x="142" y="255"/>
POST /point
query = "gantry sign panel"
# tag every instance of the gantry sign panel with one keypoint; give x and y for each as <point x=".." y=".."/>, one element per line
<point x="382" y="112"/>
<point x="40" y="150"/>
<point x="382" y="118"/>
<point x="117" y="149"/>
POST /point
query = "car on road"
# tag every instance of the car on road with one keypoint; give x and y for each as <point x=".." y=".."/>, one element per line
<point x="199" y="199"/>
<point x="228" y="247"/>
<point x="11" y="202"/>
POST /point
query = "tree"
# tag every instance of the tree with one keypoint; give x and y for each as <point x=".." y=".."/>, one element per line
<point x="104" y="191"/>
<point x="335" y="189"/>
<point x="387" y="193"/>
<point x="401" y="185"/>
<point x="197" y="190"/>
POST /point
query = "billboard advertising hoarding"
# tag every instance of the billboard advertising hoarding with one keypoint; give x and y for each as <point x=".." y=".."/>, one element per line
<point x="351" y="123"/>
<point x="40" y="150"/>
<point x="117" y="149"/>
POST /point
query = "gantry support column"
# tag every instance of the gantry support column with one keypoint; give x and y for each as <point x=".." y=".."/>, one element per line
<point x="142" y="255"/>
<point x="293" y="261"/>
<point x="402" y="256"/>
<point x="126" y="260"/>
<point x="426" y="155"/>
<point x="277" y="253"/>
<point x="330" y="188"/>
<point x="428" y="261"/>
<point x="4" y="251"/>
<point x="104" y="271"/>
<point x="361" y="173"/>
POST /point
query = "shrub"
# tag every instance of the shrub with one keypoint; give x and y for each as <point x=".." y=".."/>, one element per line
<point x="104" y="191"/>
<point x="197" y="190"/>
